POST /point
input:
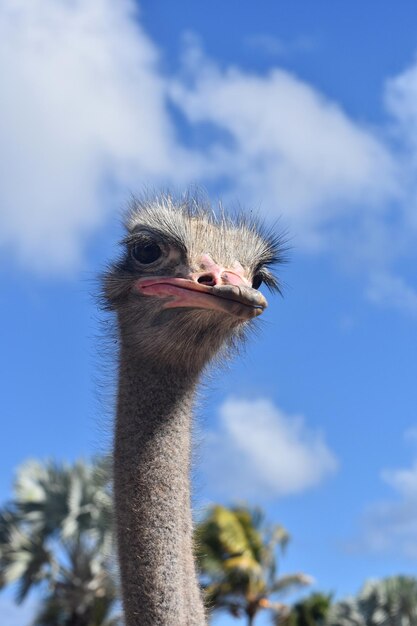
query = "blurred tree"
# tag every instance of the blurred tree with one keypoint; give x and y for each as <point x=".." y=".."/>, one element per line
<point x="56" y="533"/>
<point x="236" y="554"/>
<point x="311" y="611"/>
<point x="388" y="602"/>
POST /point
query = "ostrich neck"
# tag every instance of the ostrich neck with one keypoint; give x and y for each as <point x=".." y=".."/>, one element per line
<point x="152" y="495"/>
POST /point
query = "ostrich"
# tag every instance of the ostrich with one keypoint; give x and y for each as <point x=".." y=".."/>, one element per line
<point x="184" y="290"/>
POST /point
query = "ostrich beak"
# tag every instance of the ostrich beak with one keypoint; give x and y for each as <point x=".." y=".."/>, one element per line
<point x="238" y="300"/>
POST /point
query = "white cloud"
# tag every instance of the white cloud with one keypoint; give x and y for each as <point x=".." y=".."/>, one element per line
<point x="390" y="526"/>
<point x="401" y="101"/>
<point x="392" y="291"/>
<point x="81" y="110"/>
<point x="259" y="451"/>
<point x="287" y="146"/>
<point x="403" y="480"/>
<point x="274" y="46"/>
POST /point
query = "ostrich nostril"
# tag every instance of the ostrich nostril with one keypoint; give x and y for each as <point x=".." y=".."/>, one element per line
<point x="207" y="279"/>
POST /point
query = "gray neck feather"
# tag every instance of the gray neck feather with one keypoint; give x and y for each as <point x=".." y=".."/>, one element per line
<point x="152" y="495"/>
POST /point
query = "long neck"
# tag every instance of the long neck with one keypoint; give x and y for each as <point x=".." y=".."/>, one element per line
<point x="152" y="496"/>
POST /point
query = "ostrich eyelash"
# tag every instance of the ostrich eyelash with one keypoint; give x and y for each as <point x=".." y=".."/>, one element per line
<point x="269" y="279"/>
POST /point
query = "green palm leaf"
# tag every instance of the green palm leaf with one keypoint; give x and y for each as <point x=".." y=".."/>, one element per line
<point x="236" y="553"/>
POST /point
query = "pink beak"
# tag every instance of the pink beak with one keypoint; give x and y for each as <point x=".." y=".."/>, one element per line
<point x="226" y="292"/>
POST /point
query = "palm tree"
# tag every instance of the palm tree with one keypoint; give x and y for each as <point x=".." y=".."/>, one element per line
<point x="311" y="611"/>
<point x="388" y="602"/>
<point x="346" y="613"/>
<point x="236" y="553"/>
<point x="56" y="534"/>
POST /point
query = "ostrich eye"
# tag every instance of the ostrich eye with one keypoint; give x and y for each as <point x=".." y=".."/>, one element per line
<point x="257" y="281"/>
<point x="146" y="253"/>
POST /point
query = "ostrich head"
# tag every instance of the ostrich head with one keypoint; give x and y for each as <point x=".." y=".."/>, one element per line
<point x="187" y="282"/>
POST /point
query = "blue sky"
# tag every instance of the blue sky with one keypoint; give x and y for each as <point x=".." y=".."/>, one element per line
<point x="303" y="111"/>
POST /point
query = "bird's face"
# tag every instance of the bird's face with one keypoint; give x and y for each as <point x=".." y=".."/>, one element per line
<point x="187" y="284"/>
<point x="199" y="282"/>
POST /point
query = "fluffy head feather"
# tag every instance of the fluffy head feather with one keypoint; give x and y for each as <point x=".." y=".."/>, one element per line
<point x="186" y="230"/>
